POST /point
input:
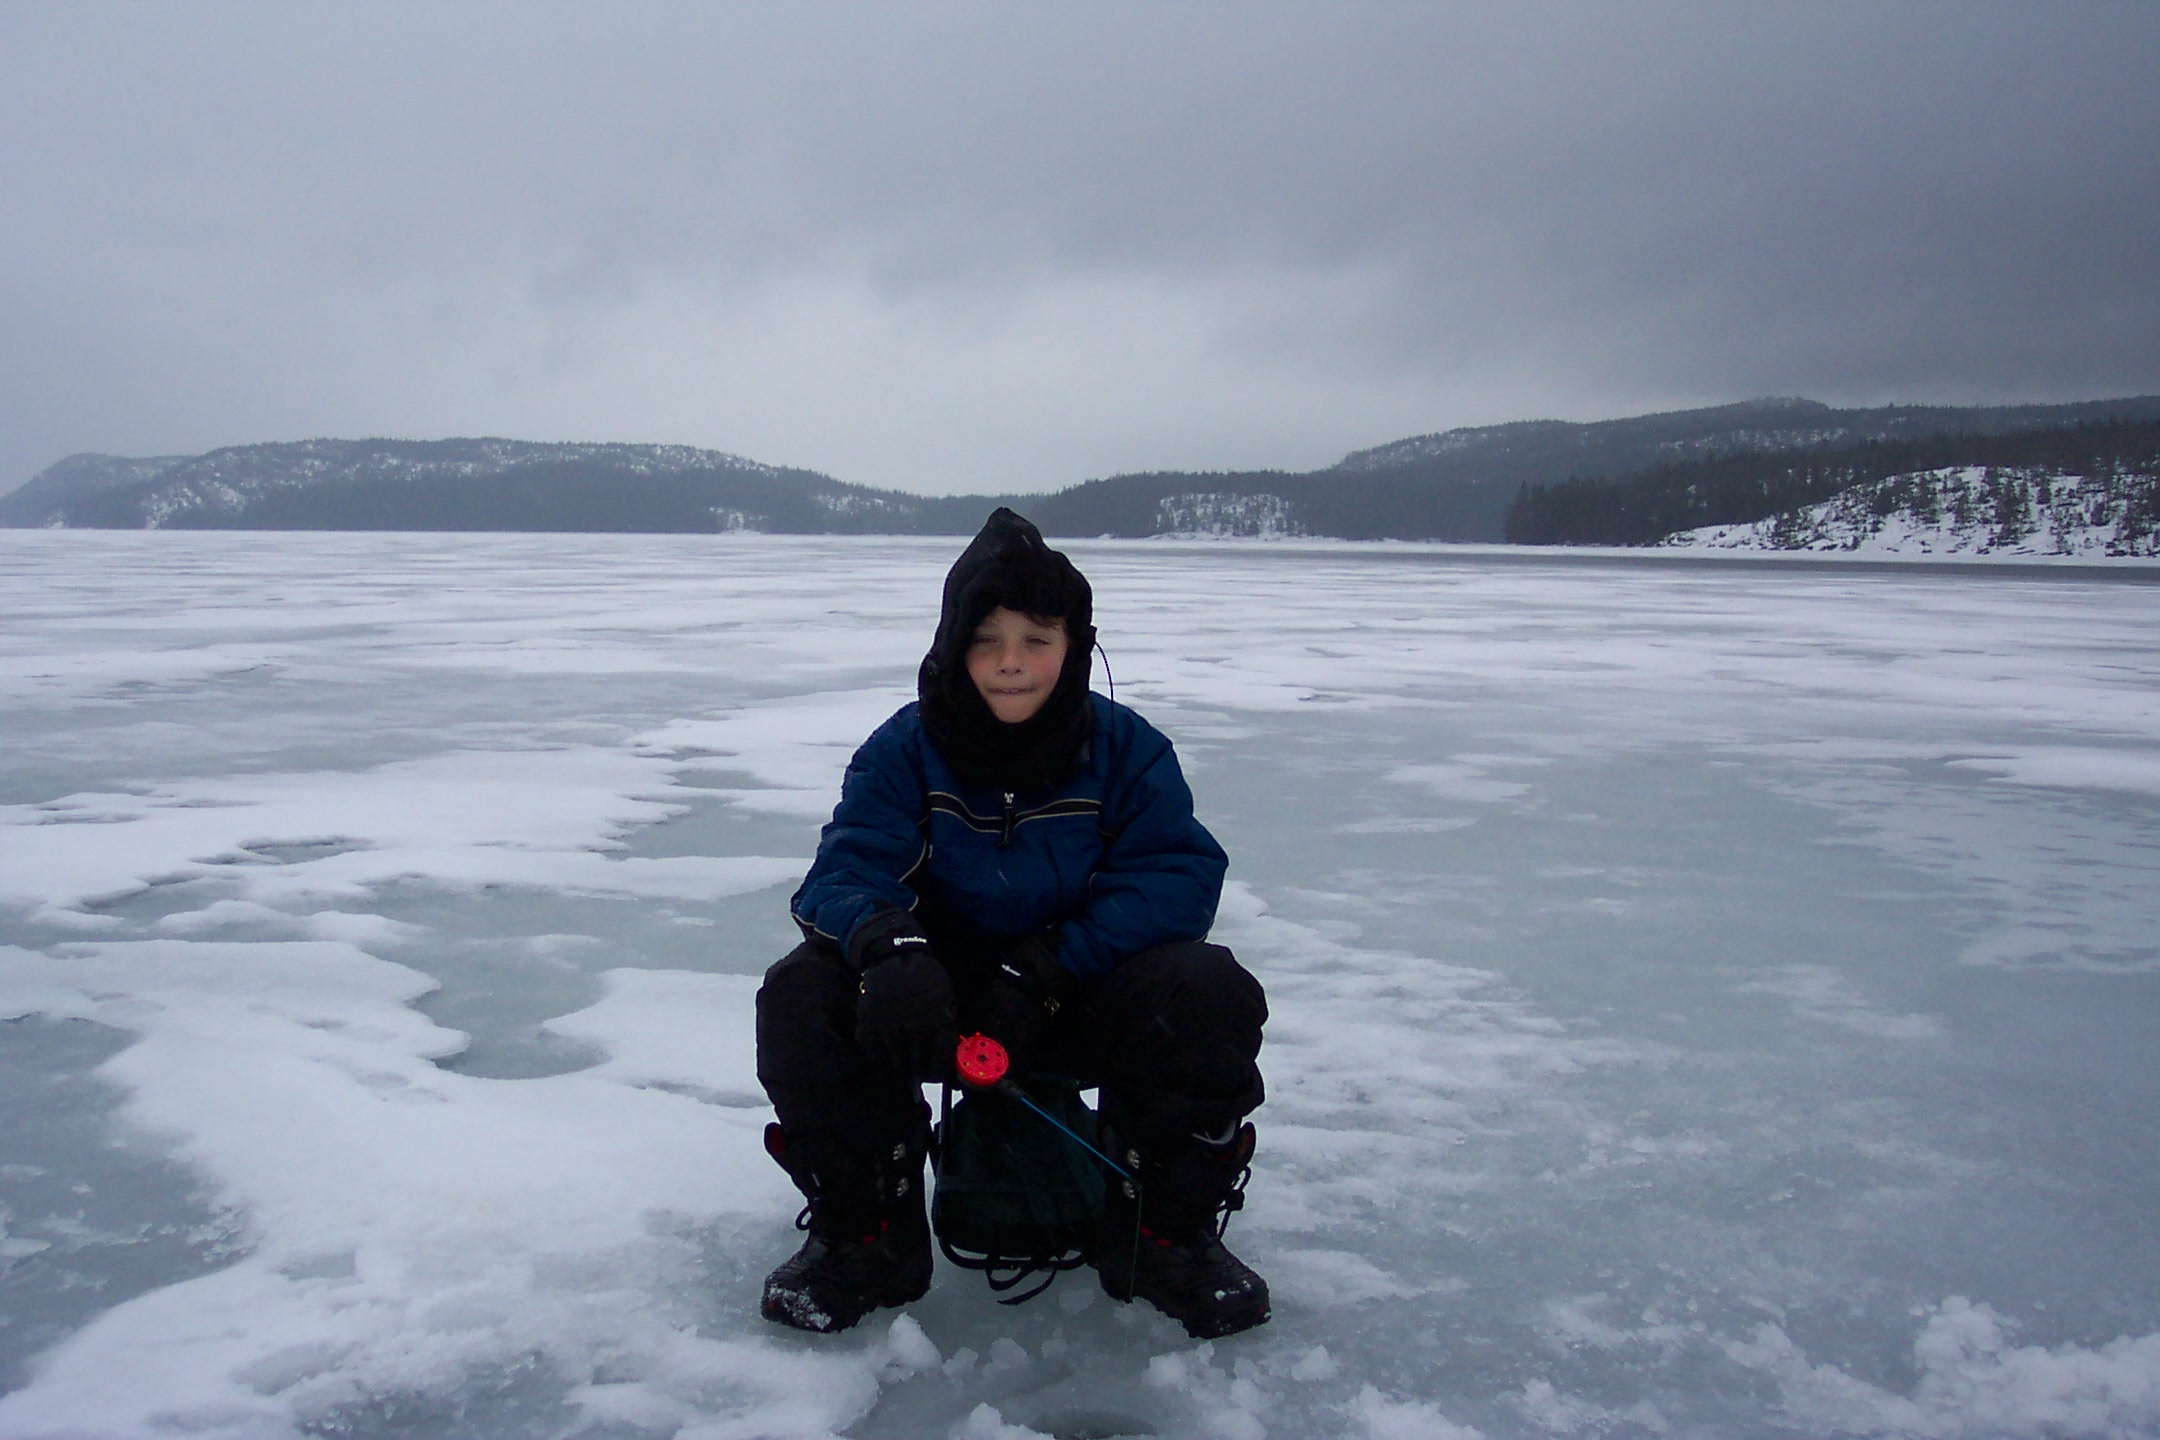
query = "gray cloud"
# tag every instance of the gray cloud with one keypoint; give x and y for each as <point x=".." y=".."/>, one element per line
<point x="1001" y="246"/>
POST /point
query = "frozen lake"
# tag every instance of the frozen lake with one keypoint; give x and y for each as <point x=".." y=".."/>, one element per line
<point x="1709" y="999"/>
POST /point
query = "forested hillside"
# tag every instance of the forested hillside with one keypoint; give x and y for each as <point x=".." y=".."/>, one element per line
<point x="1626" y="481"/>
<point x="1458" y="485"/>
<point x="475" y="484"/>
<point x="1741" y="489"/>
<point x="2001" y="511"/>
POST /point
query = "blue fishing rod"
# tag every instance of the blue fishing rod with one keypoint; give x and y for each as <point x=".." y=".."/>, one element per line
<point x="984" y="1065"/>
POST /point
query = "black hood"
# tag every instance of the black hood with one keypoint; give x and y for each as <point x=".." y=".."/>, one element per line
<point x="1008" y="564"/>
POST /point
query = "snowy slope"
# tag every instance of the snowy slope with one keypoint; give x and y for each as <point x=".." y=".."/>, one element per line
<point x="462" y="484"/>
<point x="1212" y="515"/>
<point x="1704" y="1002"/>
<point x="1972" y="511"/>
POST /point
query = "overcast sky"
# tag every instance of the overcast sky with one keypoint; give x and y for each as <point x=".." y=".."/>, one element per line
<point x="1009" y="246"/>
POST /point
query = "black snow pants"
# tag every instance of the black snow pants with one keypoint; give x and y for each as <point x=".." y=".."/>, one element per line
<point x="1172" y="1036"/>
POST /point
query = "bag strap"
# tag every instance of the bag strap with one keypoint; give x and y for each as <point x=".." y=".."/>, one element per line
<point x="1005" y="1272"/>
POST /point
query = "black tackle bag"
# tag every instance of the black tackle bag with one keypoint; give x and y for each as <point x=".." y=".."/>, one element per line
<point x="1015" y="1196"/>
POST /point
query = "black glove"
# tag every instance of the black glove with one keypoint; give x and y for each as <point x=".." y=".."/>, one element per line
<point x="1026" y="989"/>
<point x="905" y="1020"/>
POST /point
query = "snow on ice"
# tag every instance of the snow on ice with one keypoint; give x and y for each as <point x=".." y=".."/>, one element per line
<point x="1707" y="999"/>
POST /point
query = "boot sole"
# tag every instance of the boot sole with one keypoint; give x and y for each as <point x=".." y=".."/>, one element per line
<point x="799" y="1311"/>
<point x="1198" y="1325"/>
<point x="1231" y="1323"/>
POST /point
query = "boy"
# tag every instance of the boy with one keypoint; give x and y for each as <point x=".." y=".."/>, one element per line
<point x="1016" y="855"/>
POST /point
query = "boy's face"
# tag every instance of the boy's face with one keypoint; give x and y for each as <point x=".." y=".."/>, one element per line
<point x="1015" y="661"/>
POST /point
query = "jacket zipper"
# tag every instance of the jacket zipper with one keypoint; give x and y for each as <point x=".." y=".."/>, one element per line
<point x="1005" y="836"/>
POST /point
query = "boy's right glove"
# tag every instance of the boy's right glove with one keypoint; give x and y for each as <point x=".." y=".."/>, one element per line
<point x="905" y="1019"/>
<point x="1028" y="986"/>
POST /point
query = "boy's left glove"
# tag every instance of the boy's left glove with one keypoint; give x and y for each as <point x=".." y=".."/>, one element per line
<point x="905" y="1018"/>
<point x="1028" y="986"/>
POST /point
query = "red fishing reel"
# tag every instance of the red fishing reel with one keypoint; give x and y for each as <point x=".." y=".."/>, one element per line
<point x="981" y="1061"/>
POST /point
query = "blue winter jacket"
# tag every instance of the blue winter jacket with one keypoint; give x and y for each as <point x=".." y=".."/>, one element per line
<point x="1113" y="859"/>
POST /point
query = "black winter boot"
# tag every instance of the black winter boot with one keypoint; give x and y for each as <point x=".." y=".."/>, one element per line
<point x="869" y="1240"/>
<point x="1162" y="1239"/>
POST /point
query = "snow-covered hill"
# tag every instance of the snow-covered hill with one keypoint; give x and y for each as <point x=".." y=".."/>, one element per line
<point x="460" y="484"/>
<point x="225" y="484"/>
<point x="1216" y="516"/>
<point x="1972" y="510"/>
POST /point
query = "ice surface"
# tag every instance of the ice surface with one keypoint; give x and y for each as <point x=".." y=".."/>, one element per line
<point x="1707" y="998"/>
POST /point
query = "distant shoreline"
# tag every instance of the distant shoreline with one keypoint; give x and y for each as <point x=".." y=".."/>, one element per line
<point x="2135" y="569"/>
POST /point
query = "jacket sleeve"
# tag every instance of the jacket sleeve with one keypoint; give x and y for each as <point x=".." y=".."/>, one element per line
<point x="869" y="852"/>
<point x="1161" y="874"/>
